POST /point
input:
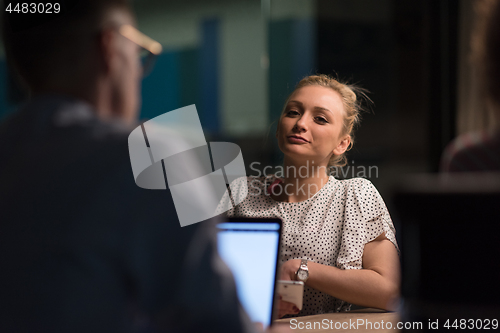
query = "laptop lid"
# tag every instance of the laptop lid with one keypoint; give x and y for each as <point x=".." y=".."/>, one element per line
<point x="250" y="247"/>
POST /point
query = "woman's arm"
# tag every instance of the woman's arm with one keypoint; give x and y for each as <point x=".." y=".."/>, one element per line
<point x="376" y="285"/>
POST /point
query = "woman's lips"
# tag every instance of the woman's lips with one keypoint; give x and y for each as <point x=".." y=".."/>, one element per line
<point x="296" y="139"/>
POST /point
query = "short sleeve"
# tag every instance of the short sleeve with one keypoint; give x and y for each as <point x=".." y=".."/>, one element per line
<point x="365" y="218"/>
<point x="235" y="193"/>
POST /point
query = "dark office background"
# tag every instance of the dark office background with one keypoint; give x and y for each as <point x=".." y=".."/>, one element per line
<point x="237" y="60"/>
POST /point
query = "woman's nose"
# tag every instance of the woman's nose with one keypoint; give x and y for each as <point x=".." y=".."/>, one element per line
<point x="301" y="124"/>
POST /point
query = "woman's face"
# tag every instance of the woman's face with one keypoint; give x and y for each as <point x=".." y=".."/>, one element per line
<point x="311" y="125"/>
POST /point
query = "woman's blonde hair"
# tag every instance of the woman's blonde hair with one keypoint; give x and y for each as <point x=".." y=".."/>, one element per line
<point x="352" y="106"/>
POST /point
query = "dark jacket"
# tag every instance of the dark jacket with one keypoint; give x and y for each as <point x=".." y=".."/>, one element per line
<point x="83" y="249"/>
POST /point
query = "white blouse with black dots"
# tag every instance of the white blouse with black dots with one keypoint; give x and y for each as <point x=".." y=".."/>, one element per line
<point x="330" y="228"/>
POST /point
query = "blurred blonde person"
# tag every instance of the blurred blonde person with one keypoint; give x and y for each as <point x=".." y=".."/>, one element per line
<point x="479" y="151"/>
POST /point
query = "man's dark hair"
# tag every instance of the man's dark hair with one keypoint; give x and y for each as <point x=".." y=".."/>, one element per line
<point x="40" y="46"/>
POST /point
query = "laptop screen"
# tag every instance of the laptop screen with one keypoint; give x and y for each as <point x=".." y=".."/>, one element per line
<point x="250" y="248"/>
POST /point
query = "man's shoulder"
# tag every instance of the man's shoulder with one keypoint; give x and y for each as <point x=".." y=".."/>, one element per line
<point x="65" y="143"/>
<point x="50" y="117"/>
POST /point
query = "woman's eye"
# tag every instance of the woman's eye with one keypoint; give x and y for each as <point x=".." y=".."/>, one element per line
<point x="292" y="112"/>
<point x="321" y="120"/>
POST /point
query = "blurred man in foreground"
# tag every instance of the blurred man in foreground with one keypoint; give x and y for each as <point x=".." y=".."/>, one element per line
<point x="83" y="249"/>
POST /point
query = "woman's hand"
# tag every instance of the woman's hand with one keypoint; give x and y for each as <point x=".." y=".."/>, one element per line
<point x="285" y="308"/>
<point x="288" y="270"/>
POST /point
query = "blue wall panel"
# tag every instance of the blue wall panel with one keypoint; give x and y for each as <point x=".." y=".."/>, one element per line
<point x="6" y="107"/>
<point x="160" y="90"/>
<point x="303" y="48"/>
<point x="209" y="76"/>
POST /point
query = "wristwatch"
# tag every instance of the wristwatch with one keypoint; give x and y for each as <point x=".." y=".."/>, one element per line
<point x="303" y="272"/>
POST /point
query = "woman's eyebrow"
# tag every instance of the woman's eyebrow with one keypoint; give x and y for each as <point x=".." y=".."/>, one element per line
<point x="319" y="108"/>
<point x="316" y="108"/>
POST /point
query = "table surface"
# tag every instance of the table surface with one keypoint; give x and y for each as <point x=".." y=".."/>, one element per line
<point x="363" y="320"/>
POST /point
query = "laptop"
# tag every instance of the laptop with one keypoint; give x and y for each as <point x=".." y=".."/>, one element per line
<point x="250" y="247"/>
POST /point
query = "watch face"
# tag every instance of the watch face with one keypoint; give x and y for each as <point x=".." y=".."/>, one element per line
<point x="302" y="275"/>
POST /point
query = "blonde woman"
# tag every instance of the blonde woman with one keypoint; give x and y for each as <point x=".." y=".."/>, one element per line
<point x="338" y="236"/>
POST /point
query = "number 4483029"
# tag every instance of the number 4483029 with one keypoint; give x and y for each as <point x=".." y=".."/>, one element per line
<point x="40" y="8"/>
<point x="476" y="324"/>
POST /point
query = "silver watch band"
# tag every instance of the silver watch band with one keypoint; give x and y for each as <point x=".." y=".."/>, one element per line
<point x="302" y="268"/>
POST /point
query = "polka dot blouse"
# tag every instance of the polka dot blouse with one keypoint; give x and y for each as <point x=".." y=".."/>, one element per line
<point x="330" y="228"/>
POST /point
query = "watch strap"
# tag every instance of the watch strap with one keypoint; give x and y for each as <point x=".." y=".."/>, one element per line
<point x="303" y="267"/>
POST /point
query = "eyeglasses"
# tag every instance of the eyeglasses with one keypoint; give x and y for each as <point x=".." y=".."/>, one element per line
<point x="150" y="48"/>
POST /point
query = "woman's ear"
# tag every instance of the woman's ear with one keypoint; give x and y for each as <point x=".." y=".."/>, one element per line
<point x="343" y="145"/>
